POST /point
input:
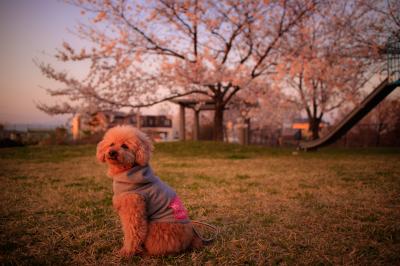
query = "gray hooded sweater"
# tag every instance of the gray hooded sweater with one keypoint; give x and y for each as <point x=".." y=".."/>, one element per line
<point x="162" y="203"/>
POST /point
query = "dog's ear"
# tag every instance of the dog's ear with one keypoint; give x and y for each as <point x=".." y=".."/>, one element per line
<point x="144" y="148"/>
<point x="101" y="151"/>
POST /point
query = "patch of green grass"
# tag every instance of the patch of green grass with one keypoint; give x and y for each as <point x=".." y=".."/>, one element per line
<point x="209" y="149"/>
<point x="85" y="184"/>
<point x="173" y="178"/>
<point x="19" y="177"/>
<point x="306" y="185"/>
<point x="242" y="177"/>
<point x="339" y="152"/>
<point x="369" y="218"/>
<point x="369" y="252"/>
<point x="309" y="200"/>
<point x="284" y="260"/>
<point x="382" y="234"/>
<point x="194" y="186"/>
<point x="369" y="175"/>
<point x="237" y="156"/>
<point x="42" y="154"/>
<point x="253" y="184"/>
<point x="204" y="177"/>
<point x="267" y="220"/>
<point x="242" y="190"/>
<point x="177" y="165"/>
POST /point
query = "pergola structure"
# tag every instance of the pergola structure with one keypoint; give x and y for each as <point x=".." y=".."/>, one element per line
<point x="197" y="106"/>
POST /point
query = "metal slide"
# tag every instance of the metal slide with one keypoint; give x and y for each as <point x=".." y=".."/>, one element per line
<point x="375" y="97"/>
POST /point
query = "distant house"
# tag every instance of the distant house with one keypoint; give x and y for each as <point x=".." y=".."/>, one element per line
<point x="158" y="127"/>
<point x="302" y="125"/>
<point x="35" y="135"/>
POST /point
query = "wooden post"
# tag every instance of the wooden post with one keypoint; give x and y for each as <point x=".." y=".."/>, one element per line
<point x="138" y="119"/>
<point x="241" y="133"/>
<point x="182" y="122"/>
<point x="196" y="125"/>
<point x="248" y="136"/>
<point x="76" y="127"/>
<point x="244" y="131"/>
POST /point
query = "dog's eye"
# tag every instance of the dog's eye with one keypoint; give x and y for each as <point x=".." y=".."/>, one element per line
<point x="112" y="144"/>
<point x="124" y="146"/>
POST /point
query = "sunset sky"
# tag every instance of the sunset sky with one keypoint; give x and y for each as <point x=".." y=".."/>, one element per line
<point x="30" y="29"/>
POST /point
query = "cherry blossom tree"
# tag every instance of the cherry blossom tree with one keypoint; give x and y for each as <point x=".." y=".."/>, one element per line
<point x="263" y="104"/>
<point x="329" y="58"/>
<point x="385" y="118"/>
<point x="389" y="11"/>
<point x="147" y="52"/>
<point x="260" y="113"/>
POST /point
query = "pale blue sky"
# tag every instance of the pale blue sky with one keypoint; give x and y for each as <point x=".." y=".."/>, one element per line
<point x="27" y="29"/>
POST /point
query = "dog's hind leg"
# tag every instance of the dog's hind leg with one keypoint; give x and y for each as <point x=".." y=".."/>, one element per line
<point x="131" y="208"/>
<point x="168" y="238"/>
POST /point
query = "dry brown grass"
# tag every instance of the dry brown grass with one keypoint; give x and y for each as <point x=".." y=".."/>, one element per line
<point x="330" y="207"/>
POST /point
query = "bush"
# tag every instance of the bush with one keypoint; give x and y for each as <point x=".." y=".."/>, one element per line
<point x="4" y="143"/>
<point x="58" y="137"/>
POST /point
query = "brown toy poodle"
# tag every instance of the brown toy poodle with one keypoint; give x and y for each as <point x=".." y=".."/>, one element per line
<point x="154" y="220"/>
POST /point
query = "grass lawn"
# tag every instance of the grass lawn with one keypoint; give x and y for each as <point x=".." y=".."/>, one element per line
<point x="334" y="206"/>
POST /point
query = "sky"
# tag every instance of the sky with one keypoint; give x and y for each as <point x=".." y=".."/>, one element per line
<point x="31" y="29"/>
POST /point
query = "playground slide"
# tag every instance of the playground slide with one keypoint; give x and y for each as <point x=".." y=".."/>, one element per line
<point x="375" y="97"/>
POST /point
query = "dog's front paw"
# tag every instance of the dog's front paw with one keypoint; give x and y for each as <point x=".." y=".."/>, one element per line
<point x="126" y="252"/>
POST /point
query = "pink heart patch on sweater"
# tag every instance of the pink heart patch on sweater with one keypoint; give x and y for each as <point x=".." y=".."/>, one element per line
<point x="180" y="212"/>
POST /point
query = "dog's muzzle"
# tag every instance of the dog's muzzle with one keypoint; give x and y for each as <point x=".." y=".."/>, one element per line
<point x="112" y="155"/>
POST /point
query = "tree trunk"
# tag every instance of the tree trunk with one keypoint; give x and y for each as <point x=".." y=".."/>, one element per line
<point x="248" y="131"/>
<point x="218" y="130"/>
<point x="314" y="128"/>
<point x="378" y="139"/>
<point x="378" y="135"/>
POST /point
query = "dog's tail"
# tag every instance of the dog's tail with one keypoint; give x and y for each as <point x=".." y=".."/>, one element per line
<point x="199" y="238"/>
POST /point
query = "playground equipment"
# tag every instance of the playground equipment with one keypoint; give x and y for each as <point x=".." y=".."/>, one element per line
<point x="392" y="81"/>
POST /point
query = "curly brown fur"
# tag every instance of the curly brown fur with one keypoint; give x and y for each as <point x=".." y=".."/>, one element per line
<point x="132" y="212"/>
<point x="121" y="148"/>
<point x="168" y="238"/>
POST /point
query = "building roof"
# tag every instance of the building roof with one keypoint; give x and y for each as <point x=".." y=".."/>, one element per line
<point x="192" y="103"/>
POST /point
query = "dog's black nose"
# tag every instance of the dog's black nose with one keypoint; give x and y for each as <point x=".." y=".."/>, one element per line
<point x="112" y="154"/>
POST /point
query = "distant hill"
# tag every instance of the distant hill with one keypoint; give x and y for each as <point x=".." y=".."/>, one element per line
<point x="25" y="127"/>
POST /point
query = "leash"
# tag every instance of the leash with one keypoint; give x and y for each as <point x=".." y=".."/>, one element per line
<point x="212" y="227"/>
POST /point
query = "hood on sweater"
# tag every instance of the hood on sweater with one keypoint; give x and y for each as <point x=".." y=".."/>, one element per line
<point x="138" y="175"/>
<point x="134" y="178"/>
